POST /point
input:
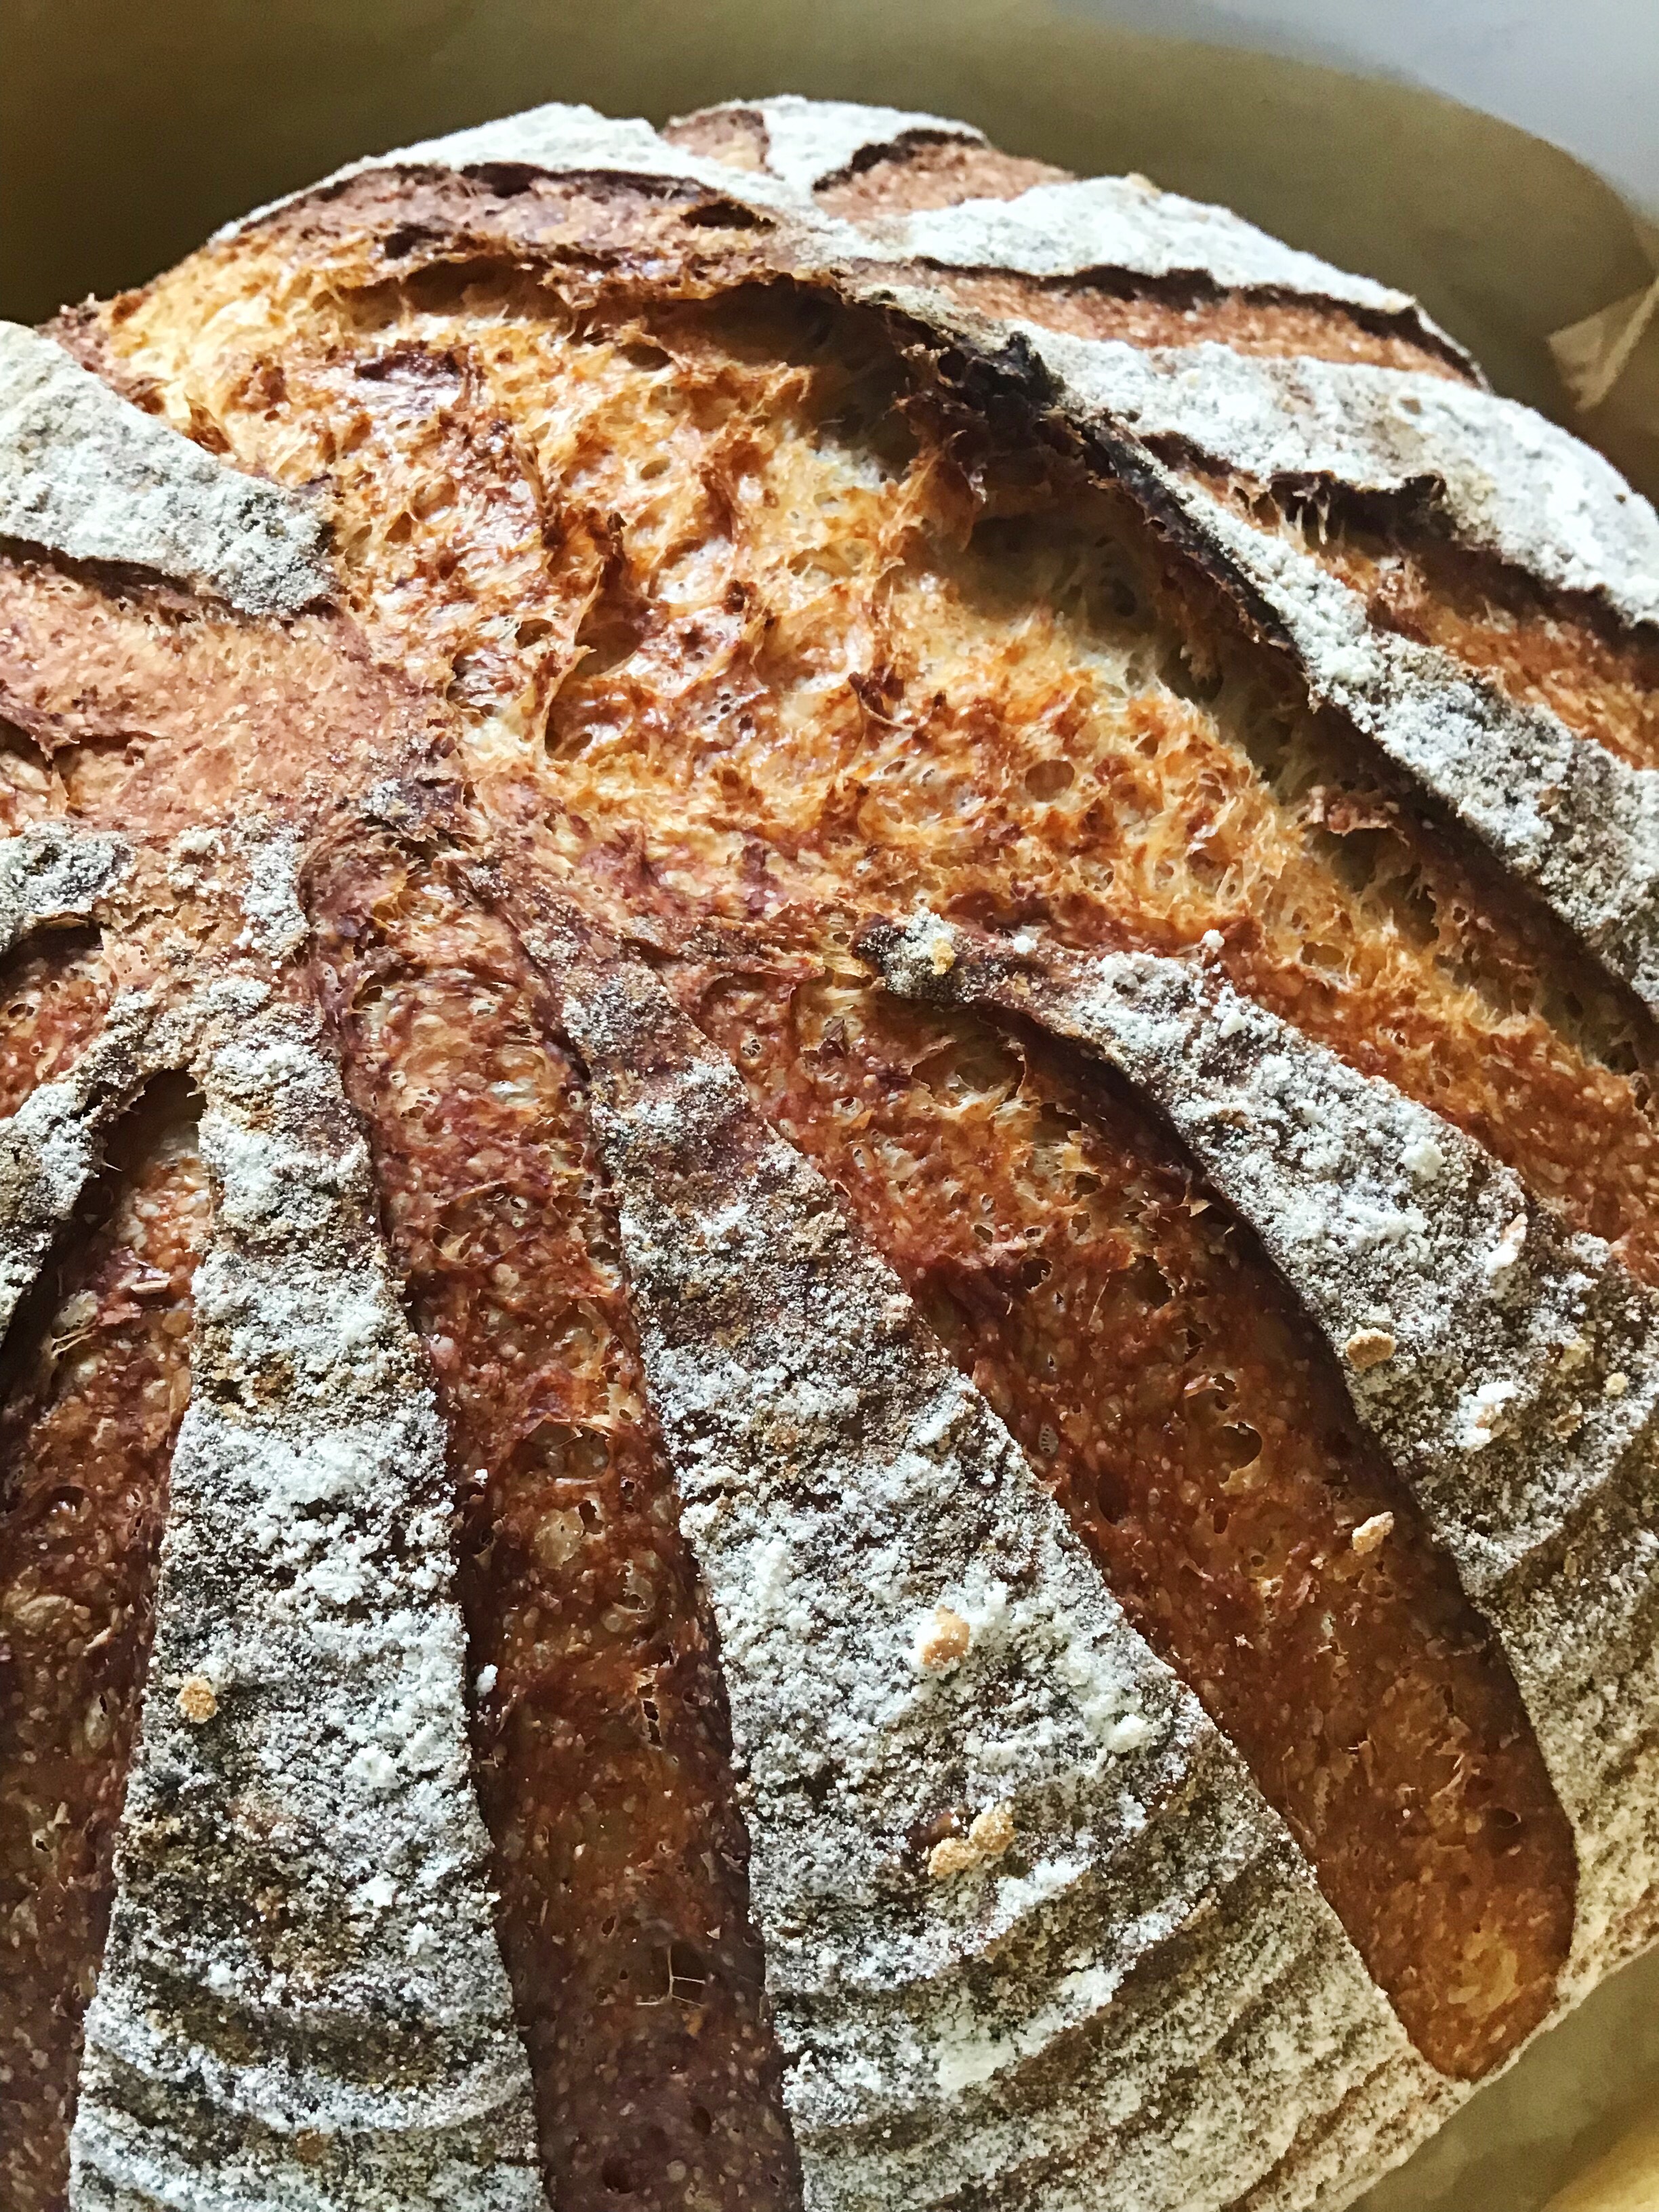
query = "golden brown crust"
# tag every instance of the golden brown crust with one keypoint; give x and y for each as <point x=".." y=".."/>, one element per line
<point x="1149" y="814"/>
<point x="734" y="135"/>
<point x="599" y="1735"/>
<point x="1183" y="796"/>
<point x="596" y="235"/>
<point x="142" y="714"/>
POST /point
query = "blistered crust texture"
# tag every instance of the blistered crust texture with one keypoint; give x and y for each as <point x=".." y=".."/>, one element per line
<point x="709" y="544"/>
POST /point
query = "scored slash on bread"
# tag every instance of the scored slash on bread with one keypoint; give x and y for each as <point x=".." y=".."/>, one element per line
<point x="583" y="584"/>
<point x="303" y="1737"/>
<point x="1505" y="1362"/>
<point x="841" y="1482"/>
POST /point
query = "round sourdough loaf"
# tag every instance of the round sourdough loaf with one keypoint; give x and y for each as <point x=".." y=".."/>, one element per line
<point x="831" y="1199"/>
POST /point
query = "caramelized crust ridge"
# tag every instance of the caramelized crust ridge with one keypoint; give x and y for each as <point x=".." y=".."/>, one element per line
<point x="600" y="1740"/>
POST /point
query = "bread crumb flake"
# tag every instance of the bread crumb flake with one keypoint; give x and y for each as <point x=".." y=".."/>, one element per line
<point x="942" y="1641"/>
<point x="197" y="1700"/>
<point x="992" y="1830"/>
<point x="1370" y="1535"/>
<point x="1507" y="1250"/>
<point x="1369" y="1347"/>
<point x="989" y="1835"/>
<point x="952" y="1857"/>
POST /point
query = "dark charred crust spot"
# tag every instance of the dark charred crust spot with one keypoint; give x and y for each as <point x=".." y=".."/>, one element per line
<point x="726" y="215"/>
<point x="140" y="588"/>
<point x="625" y="226"/>
<point x="990" y="471"/>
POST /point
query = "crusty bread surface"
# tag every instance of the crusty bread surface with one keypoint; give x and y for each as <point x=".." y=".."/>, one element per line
<point x="831" y="1199"/>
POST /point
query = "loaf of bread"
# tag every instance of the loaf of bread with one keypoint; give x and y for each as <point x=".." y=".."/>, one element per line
<point x="831" y="1194"/>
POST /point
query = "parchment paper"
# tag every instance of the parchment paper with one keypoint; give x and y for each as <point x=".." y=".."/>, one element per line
<point x="128" y="131"/>
<point x="1609" y="366"/>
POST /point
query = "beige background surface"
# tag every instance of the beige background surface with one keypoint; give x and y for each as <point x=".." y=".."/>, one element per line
<point x="129" y="128"/>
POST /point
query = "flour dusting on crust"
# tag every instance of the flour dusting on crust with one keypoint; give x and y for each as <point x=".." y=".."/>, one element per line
<point x="998" y="1876"/>
<point x="1034" y="1937"/>
<point x="53" y="874"/>
<point x="1507" y="1364"/>
<point x="563" y="139"/>
<point x="86" y="474"/>
<point x="809" y="142"/>
<point x="1505" y="480"/>
<point x="1087" y="227"/>
<point x="1578" y="825"/>
<point x="301" y="2003"/>
<point x="51" y="1147"/>
<point x="1098" y="226"/>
